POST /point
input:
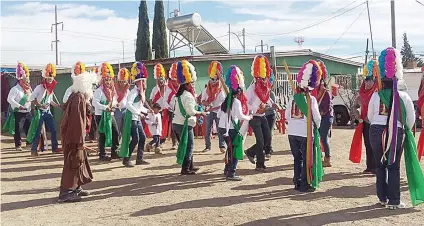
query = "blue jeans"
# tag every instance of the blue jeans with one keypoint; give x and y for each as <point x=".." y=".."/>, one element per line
<point x="137" y="138"/>
<point x="298" y="149"/>
<point x="386" y="189"/>
<point x="119" y="117"/>
<point x="231" y="166"/>
<point x="47" y="118"/>
<point x="188" y="159"/>
<point x="209" y="120"/>
<point x="324" y="130"/>
<point x="155" y="141"/>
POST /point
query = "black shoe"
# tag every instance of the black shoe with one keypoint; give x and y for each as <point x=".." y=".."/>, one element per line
<point x="141" y="162"/>
<point x="261" y="169"/>
<point x="251" y="159"/>
<point x="234" y="178"/>
<point x="307" y="189"/>
<point x="127" y="163"/>
<point x="69" y="197"/>
<point x="80" y="192"/>
<point x="115" y="156"/>
<point x="188" y="172"/>
<point x="105" y="158"/>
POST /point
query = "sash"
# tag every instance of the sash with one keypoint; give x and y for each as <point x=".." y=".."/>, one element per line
<point x="157" y="97"/>
<point x="36" y="120"/>
<point x="105" y="125"/>
<point x="126" y="135"/>
<point x="9" y="125"/>
<point x="182" y="146"/>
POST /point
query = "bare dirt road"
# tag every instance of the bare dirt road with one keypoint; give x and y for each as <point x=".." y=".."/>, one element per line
<point x="157" y="195"/>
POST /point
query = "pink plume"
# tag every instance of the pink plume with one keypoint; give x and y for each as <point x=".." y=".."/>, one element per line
<point x="233" y="79"/>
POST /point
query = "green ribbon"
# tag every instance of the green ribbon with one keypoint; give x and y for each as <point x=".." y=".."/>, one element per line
<point x="105" y="125"/>
<point x="182" y="146"/>
<point x="35" y="121"/>
<point x="9" y="125"/>
<point x="238" y="139"/>
<point x="126" y="135"/>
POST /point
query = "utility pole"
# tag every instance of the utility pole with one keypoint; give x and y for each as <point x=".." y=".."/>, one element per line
<point x="229" y="37"/>
<point x="56" y="40"/>
<point x="244" y="40"/>
<point x="262" y="46"/>
<point x="366" y="54"/>
<point x="123" y="52"/>
<point x="372" y="40"/>
<point x="392" y="3"/>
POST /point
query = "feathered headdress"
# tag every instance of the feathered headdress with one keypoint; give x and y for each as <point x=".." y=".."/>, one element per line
<point x="260" y="67"/>
<point x="106" y="70"/>
<point x="186" y="73"/>
<point x="173" y="71"/>
<point x="323" y="68"/>
<point x="159" y="72"/>
<point x="77" y="69"/>
<point x="215" y="67"/>
<point x="138" y="72"/>
<point x="49" y="71"/>
<point x="234" y="79"/>
<point x="124" y="74"/>
<point x="22" y="71"/>
<point x="372" y="71"/>
<point x="309" y="75"/>
<point x="390" y="62"/>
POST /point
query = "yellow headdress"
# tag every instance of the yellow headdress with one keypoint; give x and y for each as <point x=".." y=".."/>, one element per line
<point x="49" y="71"/>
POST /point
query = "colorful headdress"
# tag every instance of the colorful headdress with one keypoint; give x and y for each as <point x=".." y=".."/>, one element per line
<point x="22" y="71"/>
<point x="372" y="71"/>
<point x="390" y="62"/>
<point x="173" y="71"/>
<point x="186" y="73"/>
<point x="49" y="71"/>
<point x="138" y="72"/>
<point x="323" y="68"/>
<point x="234" y="79"/>
<point x="159" y="72"/>
<point x="309" y="75"/>
<point x="106" y="70"/>
<point x="215" y="67"/>
<point x="77" y="69"/>
<point x="124" y="74"/>
<point x="260" y="67"/>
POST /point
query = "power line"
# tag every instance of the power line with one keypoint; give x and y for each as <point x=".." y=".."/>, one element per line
<point x="346" y="30"/>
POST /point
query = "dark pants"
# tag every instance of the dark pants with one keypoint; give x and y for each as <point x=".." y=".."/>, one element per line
<point x="324" y="130"/>
<point x="271" y="122"/>
<point x="371" y="160"/>
<point x="155" y="141"/>
<point x="102" y="138"/>
<point x="138" y="137"/>
<point x="19" y="116"/>
<point x="262" y="133"/>
<point x="298" y="149"/>
<point x="210" y="119"/>
<point x="47" y="118"/>
<point x="119" y="117"/>
<point x="188" y="159"/>
<point x="386" y="189"/>
<point x="230" y="167"/>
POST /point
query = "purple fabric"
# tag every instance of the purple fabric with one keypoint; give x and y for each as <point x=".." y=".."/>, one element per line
<point x="326" y="105"/>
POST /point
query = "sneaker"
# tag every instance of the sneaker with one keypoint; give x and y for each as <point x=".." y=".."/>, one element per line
<point x="34" y="153"/>
<point x="222" y="150"/>
<point x="187" y="172"/>
<point x="147" y="148"/>
<point x="70" y="197"/>
<point x="261" y="169"/>
<point x="127" y="163"/>
<point x="326" y="162"/>
<point x="141" y="162"/>
<point x="115" y="156"/>
<point x="80" y="192"/>
<point x="267" y="156"/>
<point x="19" y="149"/>
<point x="307" y="189"/>
<point x="383" y="203"/>
<point x="206" y="150"/>
<point x="251" y="159"/>
<point x="401" y="205"/>
<point x="234" y="178"/>
<point x="105" y="158"/>
<point x="158" y="150"/>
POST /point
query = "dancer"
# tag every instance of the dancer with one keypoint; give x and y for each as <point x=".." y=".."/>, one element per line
<point x="391" y="113"/>
<point x="185" y="115"/>
<point x="104" y="102"/>
<point x="122" y="91"/>
<point x="325" y="104"/>
<point x="212" y="98"/>
<point x="257" y="97"/>
<point x="420" y="105"/>
<point x="154" y="120"/>
<point x="370" y="85"/>
<point x="20" y="106"/>
<point x="232" y="113"/>
<point x="42" y="98"/>
<point x="172" y="89"/>
<point x="77" y="69"/>
<point x="270" y="116"/>
<point x="132" y="121"/>
<point x="73" y="128"/>
<point x="304" y="120"/>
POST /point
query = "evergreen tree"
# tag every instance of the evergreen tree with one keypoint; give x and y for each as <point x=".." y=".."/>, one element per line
<point x="407" y="53"/>
<point x="159" y="40"/>
<point x="143" y="51"/>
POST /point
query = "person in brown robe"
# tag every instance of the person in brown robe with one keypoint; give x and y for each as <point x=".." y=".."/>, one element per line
<point x="76" y="170"/>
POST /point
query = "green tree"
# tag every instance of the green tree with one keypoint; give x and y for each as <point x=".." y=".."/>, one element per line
<point x="407" y="53"/>
<point x="143" y="50"/>
<point x="159" y="40"/>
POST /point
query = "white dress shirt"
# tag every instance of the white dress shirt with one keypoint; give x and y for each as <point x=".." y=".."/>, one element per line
<point x="99" y="97"/>
<point x="377" y="119"/>
<point x="253" y="101"/>
<point x="39" y="93"/>
<point x="189" y="104"/>
<point x="220" y="97"/>
<point x="15" y="95"/>
<point x="298" y="126"/>
<point x="67" y="94"/>
<point x="236" y="115"/>
<point x="154" y="118"/>
<point x="135" y="108"/>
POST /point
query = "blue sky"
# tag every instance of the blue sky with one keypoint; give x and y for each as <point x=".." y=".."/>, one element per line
<point x="26" y="26"/>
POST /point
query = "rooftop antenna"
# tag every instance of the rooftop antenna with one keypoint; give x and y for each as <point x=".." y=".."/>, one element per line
<point x="299" y="40"/>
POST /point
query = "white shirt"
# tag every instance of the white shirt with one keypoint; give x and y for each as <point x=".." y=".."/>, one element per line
<point x="298" y="126"/>
<point x="189" y="104"/>
<point x="163" y="100"/>
<point x="38" y="94"/>
<point x="154" y="118"/>
<point x="236" y="115"/>
<point x="220" y="97"/>
<point x="124" y="101"/>
<point x="99" y="97"/>
<point x="377" y="119"/>
<point x="135" y="108"/>
<point x="253" y="101"/>
<point x="15" y="95"/>
<point x="67" y="94"/>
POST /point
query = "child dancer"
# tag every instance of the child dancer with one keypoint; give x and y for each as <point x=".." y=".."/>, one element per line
<point x="154" y="120"/>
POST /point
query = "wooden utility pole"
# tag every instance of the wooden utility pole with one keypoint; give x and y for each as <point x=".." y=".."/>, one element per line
<point x="392" y="4"/>
<point x="56" y="41"/>
<point x="366" y="54"/>
<point x="372" y="40"/>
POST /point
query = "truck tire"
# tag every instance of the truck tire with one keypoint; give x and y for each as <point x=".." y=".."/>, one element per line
<point x="341" y="115"/>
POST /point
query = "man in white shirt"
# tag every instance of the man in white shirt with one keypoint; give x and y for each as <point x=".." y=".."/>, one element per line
<point x="212" y="98"/>
<point x="122" y="90"/>
<point x="20" y="106"/>
<point x="42" y="98"/>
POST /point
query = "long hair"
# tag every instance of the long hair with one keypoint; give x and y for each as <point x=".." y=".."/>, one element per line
<point x="233" y="95"/>
<point x="181" y="89"/>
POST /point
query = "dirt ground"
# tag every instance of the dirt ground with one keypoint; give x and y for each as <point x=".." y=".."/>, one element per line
<point x="157" y="195"/>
